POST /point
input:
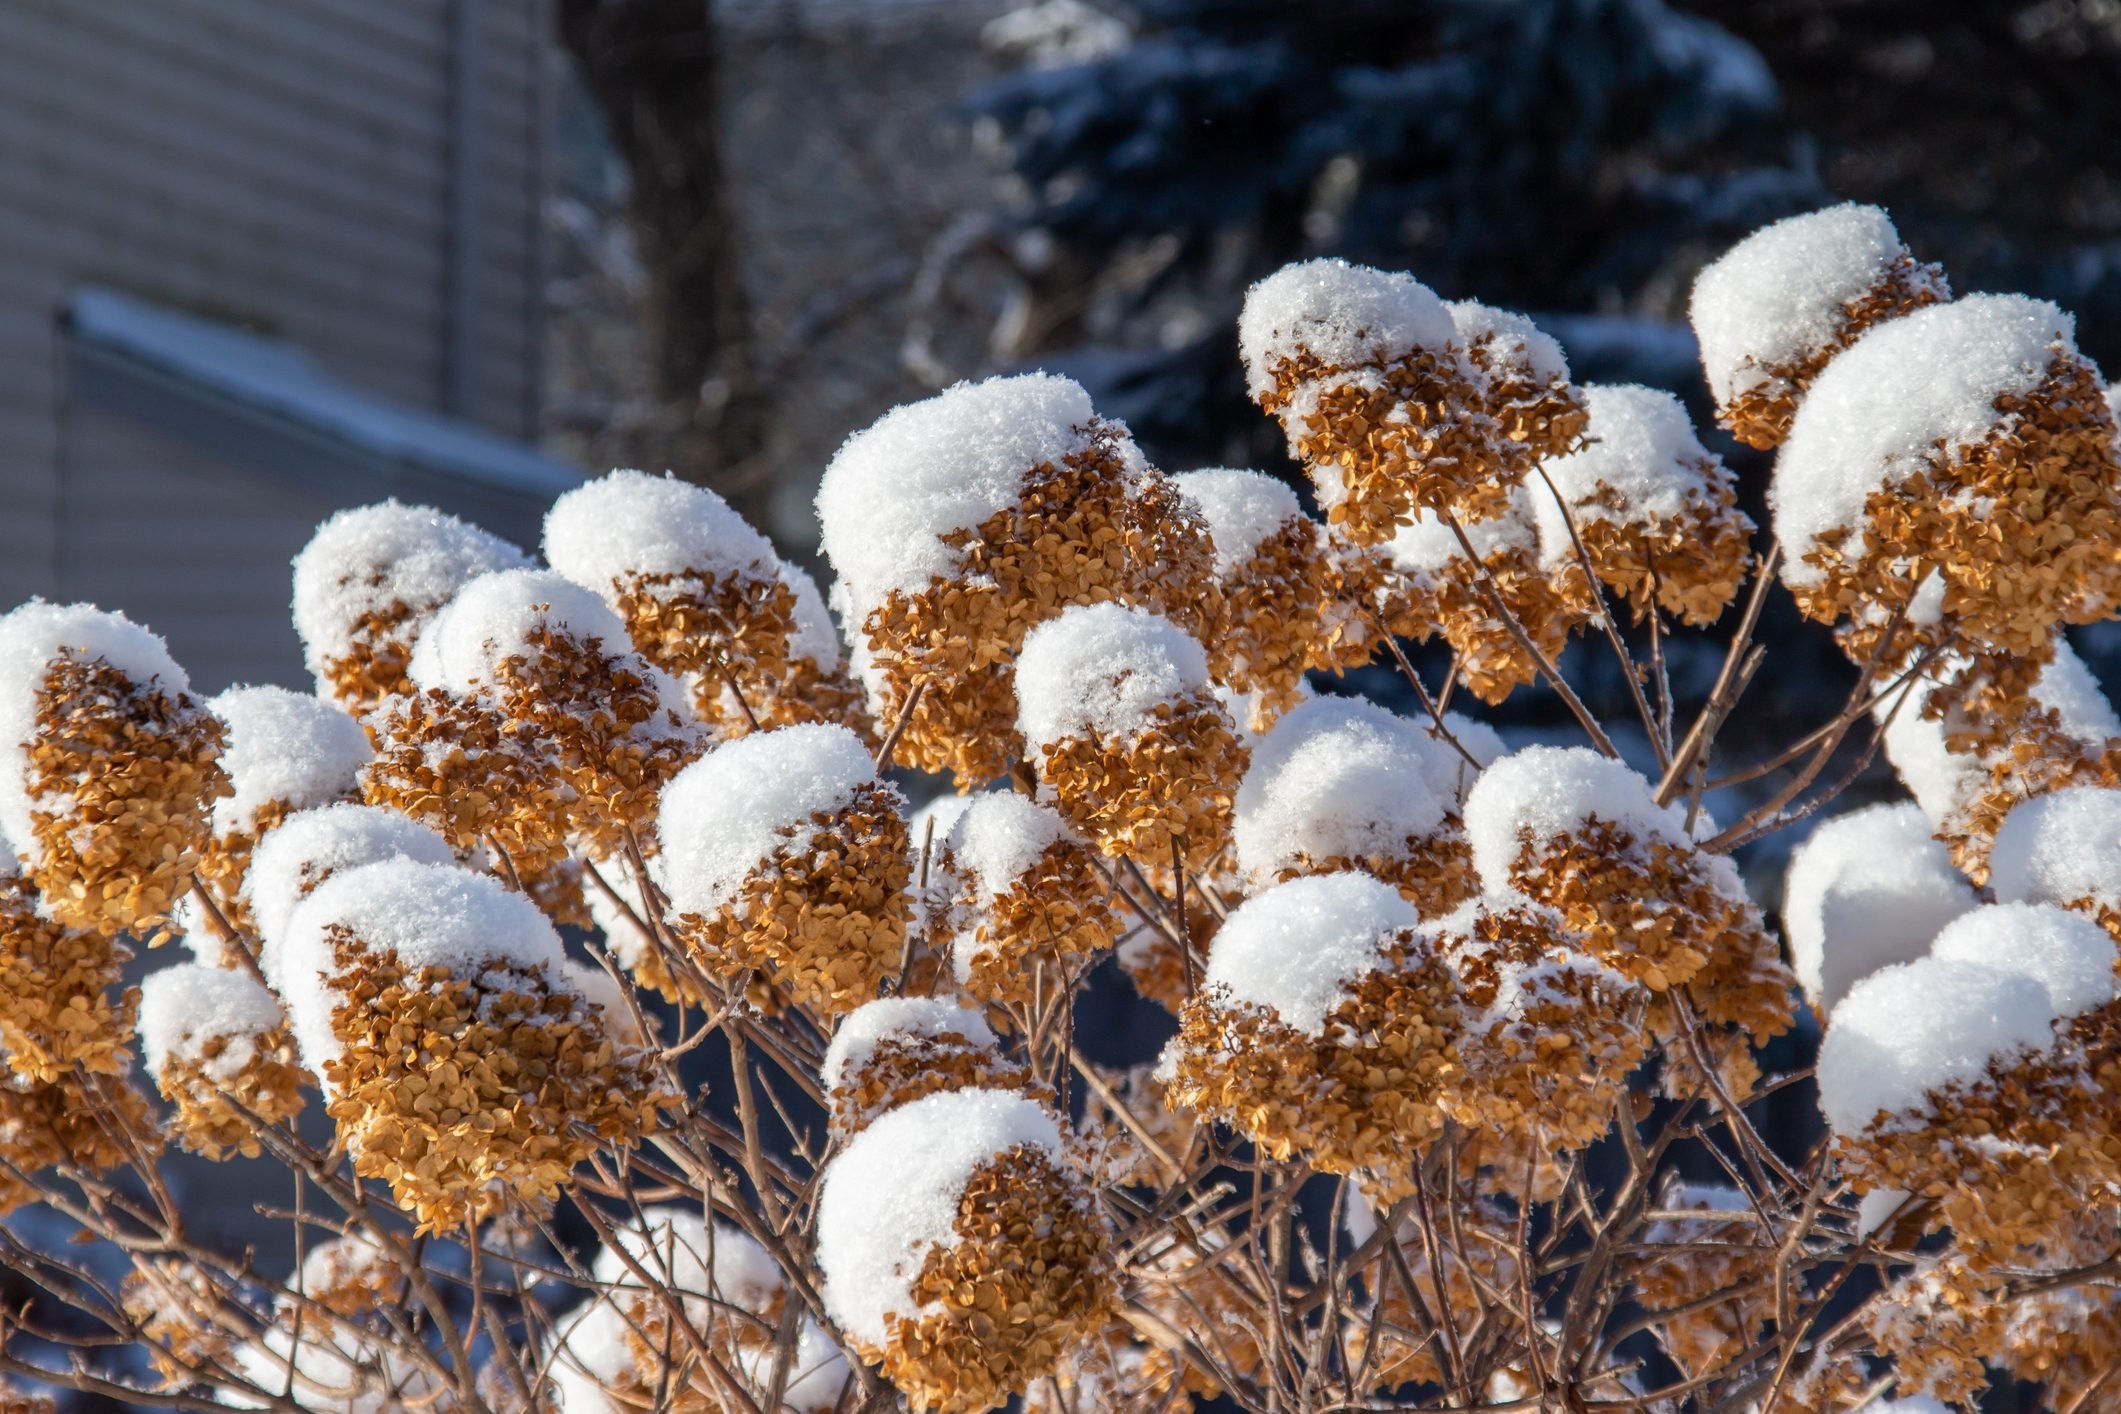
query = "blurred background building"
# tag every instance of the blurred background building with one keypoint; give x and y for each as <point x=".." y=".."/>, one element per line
<point x="259" y="260"/>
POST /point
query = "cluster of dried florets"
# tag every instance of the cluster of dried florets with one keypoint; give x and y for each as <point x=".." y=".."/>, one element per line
<point x="464" y="1064"/>
<point x="1450" y="1017"/>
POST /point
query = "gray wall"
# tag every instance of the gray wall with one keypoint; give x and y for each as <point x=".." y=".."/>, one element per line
<point x="285" y="167"/>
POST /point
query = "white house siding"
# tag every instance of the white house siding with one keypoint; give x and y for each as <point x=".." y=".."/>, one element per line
<point x="283" y="167"/>
<point x="143" y="518"/>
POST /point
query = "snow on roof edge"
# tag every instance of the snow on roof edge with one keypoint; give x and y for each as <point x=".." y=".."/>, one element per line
<point x="278" y="378"/>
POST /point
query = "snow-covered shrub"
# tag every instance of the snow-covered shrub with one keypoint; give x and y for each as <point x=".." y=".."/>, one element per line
<point x="1468" y="1098"/>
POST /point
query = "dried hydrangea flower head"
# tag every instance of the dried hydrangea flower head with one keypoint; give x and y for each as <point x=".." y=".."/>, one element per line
<point x="2063" y="849"/>
<point x="1773" y="310"/>
<point x="818" y="684"/>
<point x="957" y="523"/>
<point x="220" y="1050"/>
<point x="1363" y="369"/>
<point x="536" y="728"/>
<point x="63" y="1000"/>
<point x="698" y="589"/>
<point x="961" y="1249"/>
<point x="892" y="1051"/>
<point x="1580" y="832"/>
<point x="1654" y="511"/>
<point x="326" y="1361"/>
<point x="1325" y="1027"/>
<point x="188" y="1313"/>
<point x="308" y="847"/>
<point x="1969" y="772"/>
<point x="1940" y="1322"/>
<point x="285" y="752"/>
<point x="1126" y="736"/>
<point x="730" y="1290"/>
<point x="1524" y="384"/>
<point x="1967" y="441"/>
<point x="91" y="1122"/>
<point x="1548" y="1034"/>
<point x="1341" y="783"/>
<point x="1865" y="890"/>
<point x="1031" y="906"/>
<point x="1964" y="1075"/>
<point x="351" y="1275"/>
<point x="1423" y="583"/>
<point x="1707" y="1242"/>
<point x="108" y="768"/>
<point x="786" y="855"/>
<point x="367" y="583"/>
<point x="1281" y="613"/>
<point x="460" y="1062"/>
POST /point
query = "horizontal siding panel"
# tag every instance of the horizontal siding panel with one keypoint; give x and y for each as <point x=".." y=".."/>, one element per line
<point x="378" y="333"/>
<point x="273" y="48"/>
<point x="252" y="147"/>
<point x="213" y="221"/>
<point x="415" y="27"/>
<point x="198" y="551"/>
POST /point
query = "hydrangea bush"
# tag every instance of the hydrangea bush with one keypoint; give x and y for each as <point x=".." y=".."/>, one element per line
<point x="1463" y="1104"/>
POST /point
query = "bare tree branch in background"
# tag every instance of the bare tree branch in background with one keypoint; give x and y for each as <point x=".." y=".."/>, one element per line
<point x="651" y="67"/>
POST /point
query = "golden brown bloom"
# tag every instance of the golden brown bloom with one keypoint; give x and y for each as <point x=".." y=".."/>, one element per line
<point x="700" y="591"/>
<point x="63" y="1001"/>
<point x="534" y="730"/>
<point x="367" y="584"/>
<point x="108" y="768"/>
<point x="817" y="685"/>
<point x="1977" y="1076"/>
<point x="1281" y="612"/>
<point x="1326" y="1027"/>
<point x="1651" y="509"/>
<point x="1549" y="1034"/>
<point x="92" y="1123"/>
<point x="1128" y="739"/>
<point x="1523" y="381"/>
<point x="219" y="1048"/>
<point x="961" y="1249"/>
<point x="1030" y="905"/>
<point x="1580" y="833"/>
<point x="1776" y="308"/>
<point x="459" y="1060"/>
<point x="1365" y="371"/>
<point x="786" y="856"/>
<point x="958" y="523"/>
<point x="893" y="1051"/>
<point x="1423" y="583"/>
<point x="1959" y="464"/>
